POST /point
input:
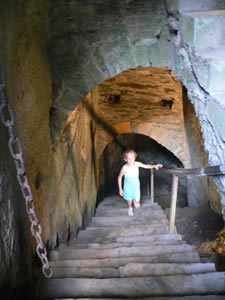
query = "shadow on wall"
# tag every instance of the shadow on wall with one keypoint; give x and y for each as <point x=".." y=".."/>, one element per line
<point x="149" y="152"/>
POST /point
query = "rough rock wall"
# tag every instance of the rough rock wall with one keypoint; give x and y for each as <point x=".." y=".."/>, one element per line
<point x="201" y="190"/>
<point x="197" y="58"/>
<point x="15" y="262"/>
<point x="76" y="174"/>
<point x="54" y="174"/>
<point x="23" y="37"/>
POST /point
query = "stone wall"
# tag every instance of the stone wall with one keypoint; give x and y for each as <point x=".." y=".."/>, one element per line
<point x="197" y="58"/>
<point x="75" y="163"/>
<point x="15" y="262"/>
<point x="23" y="37"/>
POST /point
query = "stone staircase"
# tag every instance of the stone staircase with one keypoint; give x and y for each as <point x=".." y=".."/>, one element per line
<point x="121" y="257"/>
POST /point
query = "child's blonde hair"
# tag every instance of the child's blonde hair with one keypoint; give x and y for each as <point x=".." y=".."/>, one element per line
<point x="129" y="151"/>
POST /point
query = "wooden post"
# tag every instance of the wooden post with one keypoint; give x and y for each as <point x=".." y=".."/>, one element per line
<point x="147" y="186"/>
<point x="173" y="203"/>
<point x="152" y="185"/>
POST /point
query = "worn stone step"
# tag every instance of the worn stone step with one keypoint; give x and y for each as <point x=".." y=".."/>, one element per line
<point x="100" y="233"/>
<point x="172" y="285"/>
<point x="79" y="245"/>
<point x="76" y="272"/>
<point x="115" y="212"/>
<point x="118" y="202"/>
<point x="201" y="26"/>
<point x="133" y="270"/>
<point x="127" y="221"/>
<point x="130" y="227"/>
<point x="129" y="239"/>
<point x="181" y="257"/>
<point x="148" y="238"/>
<point x="141" y="269"/>
<point x="196" y="297"/>
<point x="71" y="253"/>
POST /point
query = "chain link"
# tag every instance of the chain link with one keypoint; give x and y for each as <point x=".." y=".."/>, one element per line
<point x="16" y="152"/>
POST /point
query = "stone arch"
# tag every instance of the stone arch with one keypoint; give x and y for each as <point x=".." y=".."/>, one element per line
<point x="158" y="135"/>
<point x="85" y="51"/>
<point x="149" y="102"/>
<point x="83" y="58"/>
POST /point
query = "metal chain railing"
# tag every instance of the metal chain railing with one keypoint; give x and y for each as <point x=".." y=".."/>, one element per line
<point x="6" y="116"/>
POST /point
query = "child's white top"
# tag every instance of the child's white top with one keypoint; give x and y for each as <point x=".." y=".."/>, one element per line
<point x="131" y="171"/>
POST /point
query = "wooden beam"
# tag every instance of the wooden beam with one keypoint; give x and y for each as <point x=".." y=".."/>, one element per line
<point x="173" y="203"/>
<point x="209" y="171"/>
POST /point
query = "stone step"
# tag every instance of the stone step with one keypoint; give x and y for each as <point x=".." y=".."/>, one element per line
<point x="100" y="233"/>
<point x="181" y="257"/>
<point x="196" y="297"/>
<point x="71" y="253"/>
<point x="79" y="245"/>
<point x="133" y="270"/>
<point x="76" y="272"/>
<point x="130" y="227"/>
<point x="204" y="30"/>
<point x="118" y="202"/>
<point x="139" y="270"/>
<point x="127" y="221"/>
<point x="117" y="212"/>
<point x="172" y="285"/>
<point x="129" y="239"/>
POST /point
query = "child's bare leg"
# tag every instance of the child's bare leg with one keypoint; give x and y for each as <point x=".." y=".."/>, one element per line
<point x="137" y="202"/>
<point x="130" y="208"/>
<point x="129" y="203"/>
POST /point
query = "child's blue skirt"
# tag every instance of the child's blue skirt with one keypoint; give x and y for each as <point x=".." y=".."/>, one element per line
<point x="131" y="188"/>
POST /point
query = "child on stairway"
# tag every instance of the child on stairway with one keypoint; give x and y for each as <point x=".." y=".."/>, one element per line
<point x="131" y="188"/>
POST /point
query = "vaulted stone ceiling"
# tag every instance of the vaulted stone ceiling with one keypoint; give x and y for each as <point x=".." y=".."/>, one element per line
<point x="94" y="40"/>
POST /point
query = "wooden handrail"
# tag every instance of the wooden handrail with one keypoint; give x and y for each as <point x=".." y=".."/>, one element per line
<point x="209" y="171"/>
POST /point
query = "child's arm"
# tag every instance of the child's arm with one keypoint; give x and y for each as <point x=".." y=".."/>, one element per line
<point x="120" y="182"/>
<point x="158" y="166"/>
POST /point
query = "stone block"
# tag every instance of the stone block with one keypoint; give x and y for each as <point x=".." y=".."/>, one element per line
<point x="209" y="68"/>
<point x="204" y="30"/>
<point x="160" y="53"/>
<point x="216" y="115"/>
<point x="193" y="5"/>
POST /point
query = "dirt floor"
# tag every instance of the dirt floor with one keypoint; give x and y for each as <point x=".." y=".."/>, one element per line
<point x="204" y="230"/>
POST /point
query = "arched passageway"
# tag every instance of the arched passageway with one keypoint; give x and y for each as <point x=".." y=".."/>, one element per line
<point x="149" y="152"/>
